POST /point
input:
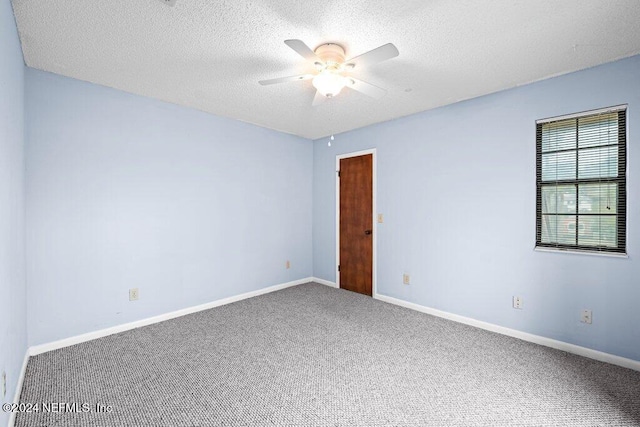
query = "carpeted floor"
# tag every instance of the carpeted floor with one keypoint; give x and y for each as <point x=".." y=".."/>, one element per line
<point x="316" y="356"/>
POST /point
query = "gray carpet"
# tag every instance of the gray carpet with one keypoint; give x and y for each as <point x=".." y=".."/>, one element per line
<point x="316" y="356"/>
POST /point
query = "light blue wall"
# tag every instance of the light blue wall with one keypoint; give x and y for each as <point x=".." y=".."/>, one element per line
<point x="13" y="331"/>
<point x="457" y="188"/>
<point x="125" y="191"/>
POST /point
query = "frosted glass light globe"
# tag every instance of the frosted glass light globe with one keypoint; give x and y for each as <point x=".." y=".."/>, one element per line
<point x="329" y="83"/>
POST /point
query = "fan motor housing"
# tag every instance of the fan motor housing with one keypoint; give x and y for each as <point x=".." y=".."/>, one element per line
<point x="330" y="53"/>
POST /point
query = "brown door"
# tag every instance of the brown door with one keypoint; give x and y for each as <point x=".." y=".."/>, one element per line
<point x="356" y="224"/>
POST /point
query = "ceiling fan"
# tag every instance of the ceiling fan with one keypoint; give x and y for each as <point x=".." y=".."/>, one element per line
<point x="332" y="69"/>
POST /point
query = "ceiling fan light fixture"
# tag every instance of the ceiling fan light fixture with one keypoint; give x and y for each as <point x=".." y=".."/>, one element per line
<point x="329" y="83"/>
<point x="329" y="61"/>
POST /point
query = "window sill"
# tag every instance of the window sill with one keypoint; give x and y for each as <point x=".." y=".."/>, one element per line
<point x="577" y="252"/>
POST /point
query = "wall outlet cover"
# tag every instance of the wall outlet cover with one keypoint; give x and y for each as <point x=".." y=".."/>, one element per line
<point x="406" y="279"/>
<point x="134" y="294"/>
<point x="517" y="302"/>
<point x="585" y="316"/>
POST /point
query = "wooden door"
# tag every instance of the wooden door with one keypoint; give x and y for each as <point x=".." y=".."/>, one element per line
<point x="356" y="224"/>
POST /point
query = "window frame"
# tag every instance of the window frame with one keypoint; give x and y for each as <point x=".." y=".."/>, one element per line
<point x="620" y="180"/>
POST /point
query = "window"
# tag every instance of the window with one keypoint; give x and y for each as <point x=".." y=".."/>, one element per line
<point x="581" y="165"/>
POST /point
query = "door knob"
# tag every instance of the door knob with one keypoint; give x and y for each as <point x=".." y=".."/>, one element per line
<point x="367" y="232"/>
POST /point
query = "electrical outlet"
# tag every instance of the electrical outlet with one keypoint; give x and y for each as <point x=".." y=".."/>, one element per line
<point x="406" y="279"/>
<point x="4" y="384"/>
<point x="287" y="265"/>
<point x="380" y="218"/>
<point x="517" y="303"/>
<point x="134" y="294"/>
<point x="585" y="317"/>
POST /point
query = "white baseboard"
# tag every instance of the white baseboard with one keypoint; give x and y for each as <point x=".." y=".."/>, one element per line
<point x="536" y="339"/>
<point x="16" y="395"/>
<point x="65" y="342"/>
<point x="324" y="282"/>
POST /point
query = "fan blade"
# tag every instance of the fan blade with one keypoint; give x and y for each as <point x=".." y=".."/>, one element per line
<point x="318" y="99"/>
<point x="286" y="79"/>
<point x="376" y="55"/>
<point x="366" y="88"/>
<point x="303" y="50"/>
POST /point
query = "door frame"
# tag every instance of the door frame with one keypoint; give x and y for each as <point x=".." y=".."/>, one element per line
<point x="374" y="254"/>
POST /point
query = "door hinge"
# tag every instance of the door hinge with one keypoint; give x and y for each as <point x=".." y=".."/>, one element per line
<point x="338" y="268"/>
<point x="338" y="174"/>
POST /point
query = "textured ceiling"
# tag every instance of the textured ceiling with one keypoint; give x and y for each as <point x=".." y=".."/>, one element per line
<point x="210" y="55"/>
